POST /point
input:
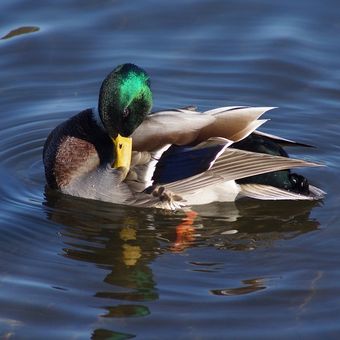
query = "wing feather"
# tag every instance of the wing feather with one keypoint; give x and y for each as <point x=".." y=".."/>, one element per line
<point x="182" y="127"/>
<point x="267" y="192"/>
<point x="234" y="124"/>
<point x="236" y="164"/>
<point x="169" y="127"/>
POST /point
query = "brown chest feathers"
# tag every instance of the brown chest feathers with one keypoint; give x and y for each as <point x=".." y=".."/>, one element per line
<point x="74" y="148"/>
<point x="75" y="157"/>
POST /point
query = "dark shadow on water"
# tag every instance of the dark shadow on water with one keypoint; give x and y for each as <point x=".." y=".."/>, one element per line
<point x="250" y="286"/>
<point x="124" y="241"/>
<point x="256" y="223"/>
<point x="19" y="31"/>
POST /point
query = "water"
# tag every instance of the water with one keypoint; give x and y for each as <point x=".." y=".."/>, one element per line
<point x="76" y="269"/>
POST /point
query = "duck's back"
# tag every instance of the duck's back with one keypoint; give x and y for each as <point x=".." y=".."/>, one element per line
<point x="74" y="148"/>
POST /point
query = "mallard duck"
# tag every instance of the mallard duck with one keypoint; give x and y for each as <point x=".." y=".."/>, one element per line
<point x="120" y="152"/>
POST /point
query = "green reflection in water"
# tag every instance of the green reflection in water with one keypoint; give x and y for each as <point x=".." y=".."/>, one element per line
<point x="125" y="241"/>
<point x="122" y="311"/>
<point x="104" y="334"/>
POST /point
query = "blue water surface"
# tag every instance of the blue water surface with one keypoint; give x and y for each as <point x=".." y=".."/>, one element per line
<point x="78" y="269"/>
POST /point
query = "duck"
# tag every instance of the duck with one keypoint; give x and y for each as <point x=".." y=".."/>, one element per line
<point x="124" y="153"/>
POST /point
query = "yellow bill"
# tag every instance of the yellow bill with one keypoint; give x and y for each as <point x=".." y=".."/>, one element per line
<point x="123" y="148"/>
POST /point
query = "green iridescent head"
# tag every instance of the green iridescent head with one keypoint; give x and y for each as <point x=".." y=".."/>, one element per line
<point x="125" y="99"/>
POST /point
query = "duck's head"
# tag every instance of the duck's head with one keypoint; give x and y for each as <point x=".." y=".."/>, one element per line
<point x="125" y="99"/>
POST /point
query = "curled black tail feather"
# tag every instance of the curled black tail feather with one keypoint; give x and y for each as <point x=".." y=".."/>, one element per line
<point x="282" y="179"/>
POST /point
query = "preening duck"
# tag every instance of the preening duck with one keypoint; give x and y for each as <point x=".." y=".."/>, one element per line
<point x="122" y="153"/>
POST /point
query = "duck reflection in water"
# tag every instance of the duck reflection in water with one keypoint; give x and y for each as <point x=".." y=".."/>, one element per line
<point x="125" y="241"/>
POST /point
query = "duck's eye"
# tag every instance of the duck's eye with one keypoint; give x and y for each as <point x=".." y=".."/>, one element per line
<point x="126" y="112"/>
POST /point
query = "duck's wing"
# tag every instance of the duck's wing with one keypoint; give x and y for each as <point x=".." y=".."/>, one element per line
<point x="235" y="164"/>
<point x="183" y="127"/>
<point x="188" y="137"/>
<point x="268" y="192"/>
<point x="177" y="127"/>
<point x="240" y="115"/>
<point x="172" y="163"/>
<point x="233" y="123"/>
<point x="179" y="162"/>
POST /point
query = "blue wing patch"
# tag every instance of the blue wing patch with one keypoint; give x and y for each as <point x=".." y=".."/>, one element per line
<point x="180" y="162"/>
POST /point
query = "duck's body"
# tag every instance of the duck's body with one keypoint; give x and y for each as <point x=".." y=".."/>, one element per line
<point x="78" y="157"/>
<point x="179" y="157"/>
